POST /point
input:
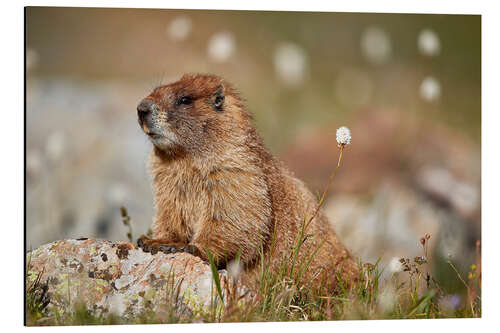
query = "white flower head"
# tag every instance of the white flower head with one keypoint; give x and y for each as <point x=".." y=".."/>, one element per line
<point x="343" y="136"/>
<point x="395" y="265"/>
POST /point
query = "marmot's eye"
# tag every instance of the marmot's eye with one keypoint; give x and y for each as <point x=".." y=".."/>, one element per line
<point x="186" y="100"/>
<point x="219" y="101"/>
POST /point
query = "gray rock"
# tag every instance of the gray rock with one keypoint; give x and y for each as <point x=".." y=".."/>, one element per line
<point x="115" y="277"/>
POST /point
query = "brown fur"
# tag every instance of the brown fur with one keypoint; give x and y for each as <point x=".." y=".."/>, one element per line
<point x="217" y="187"/>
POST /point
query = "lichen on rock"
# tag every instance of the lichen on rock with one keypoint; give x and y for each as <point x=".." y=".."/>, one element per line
<point x="115" y="277"/>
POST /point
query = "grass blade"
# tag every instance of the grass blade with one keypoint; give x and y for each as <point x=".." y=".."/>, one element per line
<point x="422" y="303"/>
<point x="215" y="274"/>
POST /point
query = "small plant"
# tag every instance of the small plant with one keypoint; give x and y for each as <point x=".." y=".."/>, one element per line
<point x="343" y="139"/>
<point x="126" y="221"/>
<point x="36" y="299"/>
<point x="473" y="283"/>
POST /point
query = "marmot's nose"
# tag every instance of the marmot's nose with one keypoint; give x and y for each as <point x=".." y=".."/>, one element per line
<point x="144" y="107"/>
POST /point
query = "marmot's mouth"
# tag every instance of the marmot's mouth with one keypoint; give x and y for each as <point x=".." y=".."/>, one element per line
<point x="148" y="132"/>
<point x="153" y="135"/>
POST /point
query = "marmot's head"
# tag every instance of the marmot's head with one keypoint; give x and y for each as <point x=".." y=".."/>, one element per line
<point x="191" y="115"/>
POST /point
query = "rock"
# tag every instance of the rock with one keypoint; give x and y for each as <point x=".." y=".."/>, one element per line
<point x="442" y="186"/>
<point x="388" y="225"/>
<point x="115" y="277"/>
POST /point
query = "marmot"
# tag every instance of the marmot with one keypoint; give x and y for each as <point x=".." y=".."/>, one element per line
<point x="217" y="187"/>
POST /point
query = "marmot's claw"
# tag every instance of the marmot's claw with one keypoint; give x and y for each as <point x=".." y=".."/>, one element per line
<point x="165" y="249"/>
<point x="188" y="249"/>
<point x="142" y="242"/>
<point x="174" y="249"/>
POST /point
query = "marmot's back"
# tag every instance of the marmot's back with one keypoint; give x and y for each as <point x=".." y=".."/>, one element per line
<point x="296" y="205"/>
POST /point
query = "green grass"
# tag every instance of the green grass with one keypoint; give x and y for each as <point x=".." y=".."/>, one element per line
<point x="281" y="293"/>
<point x="280" y="296"/>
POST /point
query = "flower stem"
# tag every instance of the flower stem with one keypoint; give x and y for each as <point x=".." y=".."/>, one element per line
<point x="332" y="176"/>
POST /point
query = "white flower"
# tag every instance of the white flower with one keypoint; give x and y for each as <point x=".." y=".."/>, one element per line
<point x="395" y="265"/>
<point x="343" y="136"/>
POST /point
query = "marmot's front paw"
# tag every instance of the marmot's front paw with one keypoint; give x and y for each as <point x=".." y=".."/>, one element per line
<point x="155" y="245"/>
<point x="143" y="240"/>
<point x="147" y="244"/>
<point x="176" y="248"/>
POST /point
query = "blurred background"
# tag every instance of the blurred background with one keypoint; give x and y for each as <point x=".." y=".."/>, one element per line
<point x="408" y="87"/>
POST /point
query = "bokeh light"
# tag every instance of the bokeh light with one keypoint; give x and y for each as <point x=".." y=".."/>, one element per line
<point x="430" y="89"/>
<point x="221" y="46"/>
<point x="179" y="28"/>
<point x="428" y="43"/>
<point x="290" y="63"/>
<point x="376" y="45"/>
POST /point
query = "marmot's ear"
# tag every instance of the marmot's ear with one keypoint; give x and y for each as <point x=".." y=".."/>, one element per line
<point x="218" y="98"/>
